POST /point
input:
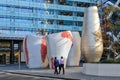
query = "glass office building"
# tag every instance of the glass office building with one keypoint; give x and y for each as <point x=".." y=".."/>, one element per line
<point x="21" y="17"/>
<point x="27" y="16"/>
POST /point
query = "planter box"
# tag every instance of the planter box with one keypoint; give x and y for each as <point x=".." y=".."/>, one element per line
<point x="101" y="69"/>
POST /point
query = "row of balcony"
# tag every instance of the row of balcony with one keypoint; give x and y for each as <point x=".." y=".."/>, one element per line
<point x="39" y="16"/>
<point x="5" y="36"/>
<point x="87" y="1"/>
<point x="26" y="26"/>
<point x="18" y="3"/>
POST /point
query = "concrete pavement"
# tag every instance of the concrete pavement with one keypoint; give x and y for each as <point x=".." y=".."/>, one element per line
<point x="71" y="73"/>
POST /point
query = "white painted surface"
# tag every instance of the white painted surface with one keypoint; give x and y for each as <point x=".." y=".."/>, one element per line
<point x="58" y="44"/>
<point x="101" y="69"/>
<point x="75" y="52"/>
<point x="34" y="46"/>
<point x="22" y="57"/>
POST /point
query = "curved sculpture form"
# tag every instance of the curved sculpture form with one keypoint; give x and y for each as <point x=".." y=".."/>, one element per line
<point x="92" y="44"/>
<point x="75" y="52"/>
<point x="35" y="50"/>
<point x="58" y="44"/>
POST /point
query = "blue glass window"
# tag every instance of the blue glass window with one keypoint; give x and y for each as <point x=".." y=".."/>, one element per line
<point x="41" y="1"/>
<point x="5" y="31"/>
<point x="27" y="0"/>
<point x="24" y="10"/>
<point x="3" y="8"/>
<point x="23" y="21"/>
<point x="4" y="20"/>
<point x="41" y="11"/>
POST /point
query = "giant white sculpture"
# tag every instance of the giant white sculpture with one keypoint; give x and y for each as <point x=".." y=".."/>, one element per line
<point x="91" y="45"/>
<point x="58" y="44"/>
<point x="75" y="51"/>
<point x="35" y="50"/>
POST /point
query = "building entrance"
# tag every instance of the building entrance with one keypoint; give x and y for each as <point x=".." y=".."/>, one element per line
<point x="2" y="58"/>
<point x="10" y="52"/>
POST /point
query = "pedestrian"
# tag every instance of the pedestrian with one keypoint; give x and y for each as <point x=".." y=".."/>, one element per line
<point x="61" y="65"/>
<point x="56" y="64"/>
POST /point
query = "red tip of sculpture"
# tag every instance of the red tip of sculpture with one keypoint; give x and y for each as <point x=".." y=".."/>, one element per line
<point x="66" y="34"/>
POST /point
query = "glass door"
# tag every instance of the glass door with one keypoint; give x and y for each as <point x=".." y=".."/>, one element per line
<point x="2" y="58"/>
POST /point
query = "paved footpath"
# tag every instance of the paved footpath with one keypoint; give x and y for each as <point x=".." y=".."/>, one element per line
<point x="71" y="73"/>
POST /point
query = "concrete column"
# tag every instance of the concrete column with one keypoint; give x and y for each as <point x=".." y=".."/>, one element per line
<point x="35" y="22"/>
<point x="19" y="47"/>
<point x="12" y="20"/>
<point x="74" y="13"/>
<point x="55" y="12"/>
<point x="12" y="52"/>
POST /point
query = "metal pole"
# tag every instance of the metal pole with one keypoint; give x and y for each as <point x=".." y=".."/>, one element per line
<point x="19" y="60"/>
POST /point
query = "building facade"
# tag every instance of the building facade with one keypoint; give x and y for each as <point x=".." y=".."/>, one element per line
<point x="21" y="17"/>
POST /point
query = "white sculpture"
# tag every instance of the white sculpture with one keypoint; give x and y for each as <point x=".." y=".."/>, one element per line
<point x="75" y="51"/>
<point x="35" y="51"/>
<point x="58" y="44"/>
<point x="92" y="44"/>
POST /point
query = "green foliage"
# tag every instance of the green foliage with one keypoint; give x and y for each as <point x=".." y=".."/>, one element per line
<point x="111" y="24"/>
<point x="111" y="60"/>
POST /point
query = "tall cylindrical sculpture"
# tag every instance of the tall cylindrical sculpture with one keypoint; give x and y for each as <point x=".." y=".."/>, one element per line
<point x="58" y="44"/>
<point x="75" y="51"/>
<point x="35" y="50"/>
<point x="91" y="43"/>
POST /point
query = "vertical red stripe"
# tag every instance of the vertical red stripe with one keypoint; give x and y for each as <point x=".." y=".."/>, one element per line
<point x="43" y="49"/>
<point x="26" y="50"/>
<point x="52" y="63"/>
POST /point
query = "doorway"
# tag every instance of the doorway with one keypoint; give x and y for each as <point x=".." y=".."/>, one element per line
<point x="2" y="58"/>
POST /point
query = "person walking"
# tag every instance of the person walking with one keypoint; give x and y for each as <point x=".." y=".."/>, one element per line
<point x="56" y="64"/>
<point x="61" y="65"/>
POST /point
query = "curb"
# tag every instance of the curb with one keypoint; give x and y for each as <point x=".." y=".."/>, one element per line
<point x="38" y="75"/>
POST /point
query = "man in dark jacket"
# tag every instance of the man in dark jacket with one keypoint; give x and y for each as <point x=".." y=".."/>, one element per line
<point x="56" y="64"/>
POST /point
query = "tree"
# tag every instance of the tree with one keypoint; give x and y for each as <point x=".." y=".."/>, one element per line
<point x="111" y="27"/>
